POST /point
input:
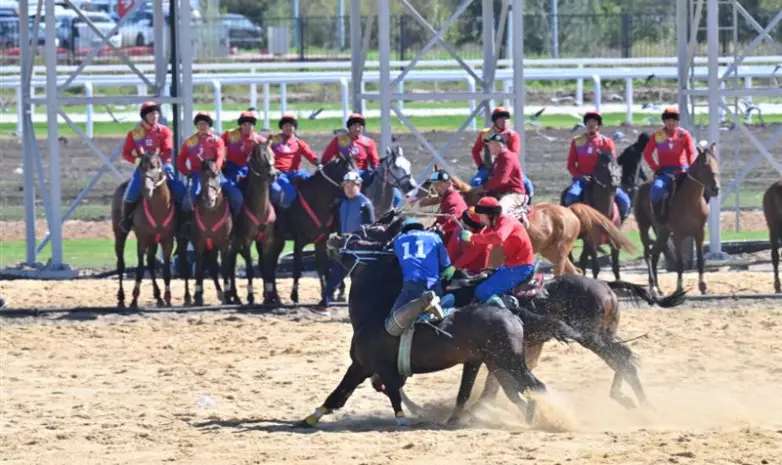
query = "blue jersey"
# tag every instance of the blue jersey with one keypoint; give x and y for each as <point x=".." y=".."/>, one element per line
<point x="355" y="212"/>
<point x="422" y="256"/>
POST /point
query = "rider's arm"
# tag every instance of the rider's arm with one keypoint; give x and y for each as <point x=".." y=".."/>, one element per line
<point x="167" y="143"/>
<point x="648" y="151"/>
<point x="306" y="151"/>
<point x="689" y="148"/>
<point x="373" y="160"/>
<point x="220" y="149"/>
<point x="181" y="160"/>
<point x="127" y="150"/>
<point x="572" y="161"/>
<point x="495" y="236"/>
<point x="330" y="152"/>
<point x="477" y="150"/>
<point x="514" y="142"/>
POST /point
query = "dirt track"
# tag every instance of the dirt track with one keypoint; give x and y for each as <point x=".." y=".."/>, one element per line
<point x="224" y="389"/>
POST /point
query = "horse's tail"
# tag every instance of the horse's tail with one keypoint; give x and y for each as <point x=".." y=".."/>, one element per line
<point x="640" y="293"/>
<point x="594" y="225"/>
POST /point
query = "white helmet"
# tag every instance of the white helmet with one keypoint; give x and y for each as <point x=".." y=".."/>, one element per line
<point x="352" y="176"/>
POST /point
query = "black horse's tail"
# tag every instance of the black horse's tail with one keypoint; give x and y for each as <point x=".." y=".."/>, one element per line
<point x="541" y="328"/>
<point x="640" y="293"/>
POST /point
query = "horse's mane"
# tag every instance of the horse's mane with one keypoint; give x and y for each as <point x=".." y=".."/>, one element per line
<point x="210" y="165"/>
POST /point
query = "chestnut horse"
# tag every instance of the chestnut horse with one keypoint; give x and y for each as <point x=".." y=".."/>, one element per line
<point x="687" y="214"/>
<point x="256" y="223"/>
<point x="772" y="208"/>
<point x="153" y="225"/>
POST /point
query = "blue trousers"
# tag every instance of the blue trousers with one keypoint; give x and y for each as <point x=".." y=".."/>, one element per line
<point x="412" y="290"/>
<point x="503" y="280"/>
<point x="575" y="194"/>
<point x="133" y="191"/>
<point x="234" y="172"/>
<point x="662" y="183"/>
<point x="282" y="190"/>
<point x="483" y="175"/>
<point x="337" y="273"/>
<point x="229" y="188"/>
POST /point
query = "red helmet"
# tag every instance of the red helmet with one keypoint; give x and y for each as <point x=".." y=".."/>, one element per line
<point x="595" y="115"/>
<point x="148" y="107"/>
<point x="471" y="219"/>
<point x="288" y="118"/>
<point x="671" y="113"/>
<point x="247" y="117"/>
<point x="203" y="116"/>
<point x="499" y="112"/>
<point x="355" y="118"/>
<point x="488" y="206"/>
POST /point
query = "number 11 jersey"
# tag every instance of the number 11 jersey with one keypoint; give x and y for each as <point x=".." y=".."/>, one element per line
<point x="422" y="256"/>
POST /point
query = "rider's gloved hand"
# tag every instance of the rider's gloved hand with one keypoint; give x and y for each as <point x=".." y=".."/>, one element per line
<point x="586" y="178"/>
<point x="465" y="235"/>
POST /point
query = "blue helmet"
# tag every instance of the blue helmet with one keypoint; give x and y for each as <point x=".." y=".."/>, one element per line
<point x="411" y="224"/>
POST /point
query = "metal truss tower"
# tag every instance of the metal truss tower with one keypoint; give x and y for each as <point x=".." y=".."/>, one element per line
<point x="55" y="100"/>
<point x="388" y="94"/>
<point x="722" y="85"/>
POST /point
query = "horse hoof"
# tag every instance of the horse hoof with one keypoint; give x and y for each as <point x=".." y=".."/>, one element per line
<point x="401" y="422"/>
<point x="302" y="424"/>
<point x="702" y="287"/>
<point x="198" y="302"/>
<point x="188" y="301"/>
<point x="161" y="304"/>
<point x="453" y="422"/>
<point x="295" y="297"/>
<point x="250" y="299"/>
<point x="134" y="304"/>
<point x="121" y="304"/>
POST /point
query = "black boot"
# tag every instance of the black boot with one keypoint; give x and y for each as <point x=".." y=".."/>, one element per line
<point x="126" y="223"/>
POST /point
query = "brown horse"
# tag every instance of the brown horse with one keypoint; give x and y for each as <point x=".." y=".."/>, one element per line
<point x="153" y="225"/>
<point x="687" y="214"/>
<point x="256" y="223"/>
<point x="210" y="235"/>
<point x="772" y="207"/>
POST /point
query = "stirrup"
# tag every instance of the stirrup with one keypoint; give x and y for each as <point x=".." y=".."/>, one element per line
<point x="434" y="308"/>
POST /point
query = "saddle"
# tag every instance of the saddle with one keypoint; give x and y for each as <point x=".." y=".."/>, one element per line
<point x="530" y="289"/>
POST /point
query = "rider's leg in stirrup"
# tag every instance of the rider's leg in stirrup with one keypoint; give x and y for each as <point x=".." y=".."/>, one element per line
<point x="503" y="280"/>
<point x="129" y="200"/>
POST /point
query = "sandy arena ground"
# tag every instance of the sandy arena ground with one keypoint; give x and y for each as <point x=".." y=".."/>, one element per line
<point x="224" y="388"/>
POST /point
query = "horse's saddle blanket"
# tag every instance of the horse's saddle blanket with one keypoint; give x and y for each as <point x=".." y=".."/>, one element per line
<point x="530" y="289"/>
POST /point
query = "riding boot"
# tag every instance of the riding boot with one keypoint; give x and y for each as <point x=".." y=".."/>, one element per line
<point x="126" y="222"/>
<point x="496" y="300"/>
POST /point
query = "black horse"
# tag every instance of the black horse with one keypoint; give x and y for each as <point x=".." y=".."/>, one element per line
<point x="476" y="334"/>
<point x="631" y="161"/>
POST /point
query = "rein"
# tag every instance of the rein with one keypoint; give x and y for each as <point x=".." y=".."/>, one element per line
<point x="315" y="219"/>
<point x="261" y="226"/>
<point x="209" y="233"/>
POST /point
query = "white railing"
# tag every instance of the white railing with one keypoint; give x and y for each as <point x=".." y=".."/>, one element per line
<point x="343" y="79"/>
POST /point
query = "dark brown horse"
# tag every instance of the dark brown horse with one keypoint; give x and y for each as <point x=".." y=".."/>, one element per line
<point x="308" y="221"/>
<point x="153" y="225"/>
<point x="211" y="232"/>
<point x="256" y="223"/>
<point x="772" y="208"/>
<point x="687" y="214"/>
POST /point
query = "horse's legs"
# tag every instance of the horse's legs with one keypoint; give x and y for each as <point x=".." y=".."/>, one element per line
<point x="699" y="258"/>
<point x="198" y="297"/>
<point x="519" y="379"/>
<point x="151" y="267"/>
<point x="582" y="260"/>
<point x="270" y="295"/>
<point x="677" y="243"/>
<point x="214" y="271"/>
<point x="774" y="236"/>
<point x="321" y="264"/>
<point x="139" y="274"/>
<point x="469" y="374"/>
<point x="615" y="262"/>
<point x="250" y="270"/>
<point x="643" y="233"/>
<point x="184" y="268"/>
<point x="355" y="375"/>
<point x="119" y="250"/>
<point x="532" y="354"/>
<point x="620" y="358"/>
<point x="298" y="247"/>
<point x="393" y="382"/>
<point x="660" y="242"/>
<point x="167" y="249"/>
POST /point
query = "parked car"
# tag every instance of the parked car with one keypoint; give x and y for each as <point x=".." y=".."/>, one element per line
<point x="74" y="32"/>
<point x="10" y="32"/>
<point x="241" y="32"/>
<point x="139" y="30"/>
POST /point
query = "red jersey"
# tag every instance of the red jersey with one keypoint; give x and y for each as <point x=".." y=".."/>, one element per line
<point x="674" y="150"/>
<point x="238" y="147"/>
<point x="451" y="204"/>
<point x="505" y="176"/>
<point x="362" y="149"/>
<point x="582" y="159"/>
<point x="467" y="255"/>
<point x="200" y="147"/>
<point x="511" y="235"/>
<point x="145" y="138"/>
<point x="512" y="140"/>
<point x="288" y="152"/>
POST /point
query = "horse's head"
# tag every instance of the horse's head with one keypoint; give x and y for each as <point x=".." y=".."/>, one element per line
<point x="395" y="169"/>
<point x="210" y="183"/>
<point x="706" y="169"/>
<point x="337" y="168"/>
<point x="607" y="173"/>
<point x="151" y="168"/>
<point x="261" y="162"/>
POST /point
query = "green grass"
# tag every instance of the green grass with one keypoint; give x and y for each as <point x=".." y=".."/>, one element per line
<point x="423" y="123"/>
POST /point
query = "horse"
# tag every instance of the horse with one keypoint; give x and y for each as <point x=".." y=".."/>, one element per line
<point x="687" y="214"/>
<point x="256" y="223"/>
<point x="309" y="220"/>
<point x="600" y="194"/>
<point x="392" y="173"/>
<point x="211" y="235"/>
<point x="631" y="161"/>
<point x="476" y="334"/>
<point x="153" y="225"/>
<point x="772" y="209"/>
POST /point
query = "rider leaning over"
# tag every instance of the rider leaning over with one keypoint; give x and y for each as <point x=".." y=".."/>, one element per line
<point x="288" y="150"/>
<point x="506" y="177"/>
<point x="508" y="233"/>
<point x="205" y="145"/>
<point x="239" y="144"/>
<point x="148" y="136"/>
<point x="470" y="257"/>
<point x="675" y="153"/>
<point x="499" y="119"/>
<point x="357" y="146"/>
<point x="582" y="160"/>
<point x="451" y="204"/>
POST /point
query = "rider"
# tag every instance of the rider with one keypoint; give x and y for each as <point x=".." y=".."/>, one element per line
<point x="499" y="119"/>
<point x="288" y="150"/>
<point x="468" y="256"/>
<point x="506" y="175"/>
<point x="205" y="145"/>
<point x="451" y="203"/>
<point x="355" y="210"/>
<point x="356" y="145"/>
<point x="510" y="234"/>
<point x="582" y="159"/>
<point x="239" y="144"/>
<point x="148" y="136"/>
<point x="675" y="153"/>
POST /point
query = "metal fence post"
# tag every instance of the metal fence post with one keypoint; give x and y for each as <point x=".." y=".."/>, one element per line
<point x="626" y="21"/>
